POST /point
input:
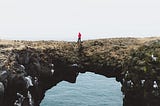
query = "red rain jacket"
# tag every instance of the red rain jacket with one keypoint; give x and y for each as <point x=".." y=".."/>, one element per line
<point x="79" y="35"/>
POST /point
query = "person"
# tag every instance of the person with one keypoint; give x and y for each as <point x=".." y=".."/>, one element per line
<point x="79" y="43"/>
<point x="79" y="37"/>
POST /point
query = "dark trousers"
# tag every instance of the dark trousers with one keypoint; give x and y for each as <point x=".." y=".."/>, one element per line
<point x="79" y="40"/>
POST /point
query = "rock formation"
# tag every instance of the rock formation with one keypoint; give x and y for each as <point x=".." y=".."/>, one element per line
<point x="29" y="68"/>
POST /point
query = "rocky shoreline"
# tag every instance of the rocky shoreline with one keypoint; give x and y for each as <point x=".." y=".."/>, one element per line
<point x="29" y="68"/>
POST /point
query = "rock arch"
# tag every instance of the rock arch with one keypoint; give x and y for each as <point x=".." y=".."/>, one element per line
<point x="47" y="63"/>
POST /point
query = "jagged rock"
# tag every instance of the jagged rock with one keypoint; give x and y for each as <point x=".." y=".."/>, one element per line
<point x="143" y="68"/>
<point x="34" y="67"/>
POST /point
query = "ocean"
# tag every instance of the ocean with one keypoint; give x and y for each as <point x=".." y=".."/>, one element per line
<point x="89" y="90"/>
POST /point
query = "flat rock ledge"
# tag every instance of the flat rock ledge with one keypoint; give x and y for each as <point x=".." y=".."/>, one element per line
<point x="29" y="68"/>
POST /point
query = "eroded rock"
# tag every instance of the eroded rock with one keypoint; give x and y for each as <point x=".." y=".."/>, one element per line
<point x="142" y="69"/>
<point x="31" y="68"/>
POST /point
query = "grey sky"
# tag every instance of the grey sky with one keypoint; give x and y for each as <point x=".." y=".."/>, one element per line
<point x="63" y="19"/>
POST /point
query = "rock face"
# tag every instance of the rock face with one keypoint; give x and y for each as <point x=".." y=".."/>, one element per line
<point x="28" y="69"/>
<point x="141" y="80"/>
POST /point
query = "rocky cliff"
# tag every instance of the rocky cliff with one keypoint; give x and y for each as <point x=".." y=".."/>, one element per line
<point x="29" y="68"/>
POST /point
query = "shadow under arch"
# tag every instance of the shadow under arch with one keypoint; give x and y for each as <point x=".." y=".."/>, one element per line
<point x="89" y="90"/>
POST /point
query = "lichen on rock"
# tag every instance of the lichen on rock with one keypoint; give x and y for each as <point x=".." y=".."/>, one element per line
<point x="141" y="79"/>
<point x="29" y="68"/>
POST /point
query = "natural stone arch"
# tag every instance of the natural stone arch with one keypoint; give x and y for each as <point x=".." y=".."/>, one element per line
<point x="105" y="57"/>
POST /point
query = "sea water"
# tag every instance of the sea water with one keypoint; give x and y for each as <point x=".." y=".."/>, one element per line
<point x="89" y="90"/>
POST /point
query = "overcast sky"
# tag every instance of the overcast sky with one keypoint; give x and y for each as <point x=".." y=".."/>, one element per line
<point x="63" y="19"/>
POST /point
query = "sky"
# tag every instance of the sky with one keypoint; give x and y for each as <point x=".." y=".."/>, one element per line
<point x="63" y="19"/>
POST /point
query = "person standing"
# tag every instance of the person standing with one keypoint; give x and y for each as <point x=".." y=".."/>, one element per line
<point x="79" y="43"/>
<point x="79" y="37"/>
